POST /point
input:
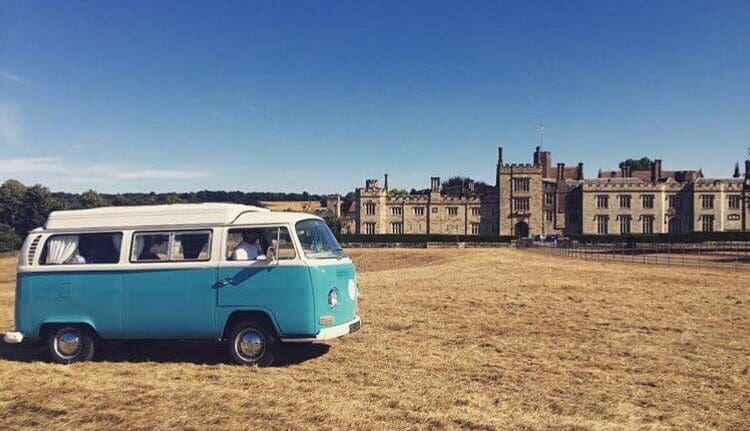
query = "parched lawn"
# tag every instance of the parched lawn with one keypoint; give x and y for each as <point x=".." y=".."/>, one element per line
<point x="451" y="339"/>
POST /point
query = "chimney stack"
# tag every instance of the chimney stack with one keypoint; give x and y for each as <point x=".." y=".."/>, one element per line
<point x="499" y="155"/>
<point x="747" y="169"/>
<point x="385" y="182"/>
<point x="435" y="184"/>
<point x="470" y="185"/>
<point x="655" y="170"/>
<point x="658" y="168"/>
<point x="560" y="172"/>
<point x="579" y="171"/>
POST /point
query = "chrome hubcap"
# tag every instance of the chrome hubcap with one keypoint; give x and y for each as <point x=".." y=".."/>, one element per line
<point x="250" y="345"/>
<point x="68" y="342"/>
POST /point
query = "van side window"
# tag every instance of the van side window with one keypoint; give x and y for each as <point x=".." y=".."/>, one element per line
<point x="84" y="248"/>
<point x="186" y="246"/>
<point x="150" y="247"/>
<point x="191" y="246"/>
<point x="253" y="243"/>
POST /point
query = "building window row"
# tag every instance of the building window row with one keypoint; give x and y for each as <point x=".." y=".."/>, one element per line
<point x="475" y="228"/>
<point x="602" y="201"/>
<point x="370" y="208"/>
<point x="549" y="199"/>
<point x="397" y="228"/>
<point x="602" y="224"/>
<point x="397" y="211"/>
<point x="370" y="228"/>
<point x="735" y="202"/>
<point x="647" y="224"/>
<point x="549" y="216"/>
<point x="452" y="211"/>
<point x="625" y="223"/>
<point x="520" y="184"/>
<point x="475" y="211"/>
<point x="419" y="211"/>
<point x="521" y="204"/>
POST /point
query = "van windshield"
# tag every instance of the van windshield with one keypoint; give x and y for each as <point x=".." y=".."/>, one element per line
<point x="317" y="240"/>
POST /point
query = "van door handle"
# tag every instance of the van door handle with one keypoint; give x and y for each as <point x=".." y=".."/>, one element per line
<point x="225" y="282"/>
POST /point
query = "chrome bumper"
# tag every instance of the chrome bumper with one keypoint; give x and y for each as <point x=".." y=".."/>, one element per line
<point x="13" y="337"/>
<point x="330" y="333"/>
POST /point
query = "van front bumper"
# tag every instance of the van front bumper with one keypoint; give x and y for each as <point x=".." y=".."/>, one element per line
<point x="330" y="333"/>
<point x="13" y="337"/>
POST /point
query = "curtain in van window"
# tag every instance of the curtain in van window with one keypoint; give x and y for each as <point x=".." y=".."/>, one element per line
<point x="61" y="248"/>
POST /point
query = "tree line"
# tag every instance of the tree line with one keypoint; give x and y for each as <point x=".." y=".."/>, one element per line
<point x="23" y="208"/>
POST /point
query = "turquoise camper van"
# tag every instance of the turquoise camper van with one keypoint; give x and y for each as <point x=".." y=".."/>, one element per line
<point x="239" y="274"/>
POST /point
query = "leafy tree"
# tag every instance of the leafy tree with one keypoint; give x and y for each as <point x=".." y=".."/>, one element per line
<point x="398" y="193"/>
<point x="11" y="204"/>
<point x="461" y="187"/>
<point x="119" y="200"/>
<point x="334" y="223"/>
<point x="173" y="199"/>
<point x="9" y="239"/>
<point x="91" y="199"/>
<point x="642" y="164"/>
<point x="37" y="204"/>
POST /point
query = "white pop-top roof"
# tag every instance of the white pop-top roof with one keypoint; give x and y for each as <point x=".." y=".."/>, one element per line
<point x="167" y="215"/>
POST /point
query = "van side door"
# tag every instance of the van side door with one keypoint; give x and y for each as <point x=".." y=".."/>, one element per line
<point x="249" y="279"/>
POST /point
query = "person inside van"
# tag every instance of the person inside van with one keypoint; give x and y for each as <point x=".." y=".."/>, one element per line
<point x="249" y="248"/>
<point x="76" y="258"/>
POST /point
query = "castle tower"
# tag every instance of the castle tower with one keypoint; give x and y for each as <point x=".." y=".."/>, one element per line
<point x="519" y="192"/>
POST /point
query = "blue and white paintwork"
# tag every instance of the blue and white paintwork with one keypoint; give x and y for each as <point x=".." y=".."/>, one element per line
<point x="181" y="300"/>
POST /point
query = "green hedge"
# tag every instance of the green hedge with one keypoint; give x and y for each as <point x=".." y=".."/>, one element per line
<point x="421" y="238"/>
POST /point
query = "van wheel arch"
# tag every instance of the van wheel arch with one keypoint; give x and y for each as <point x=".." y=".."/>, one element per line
<point x="259" y="317"/>
<point x="47" y="328"/>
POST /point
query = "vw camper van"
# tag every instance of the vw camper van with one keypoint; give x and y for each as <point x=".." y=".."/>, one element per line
<point x="238" y="274"/>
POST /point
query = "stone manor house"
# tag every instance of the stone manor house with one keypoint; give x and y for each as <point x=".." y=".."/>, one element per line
<point x="539" y="198"/>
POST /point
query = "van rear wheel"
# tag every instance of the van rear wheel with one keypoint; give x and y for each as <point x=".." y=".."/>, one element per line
<point x="70" y="343"/>
<point x="251" y="343"/>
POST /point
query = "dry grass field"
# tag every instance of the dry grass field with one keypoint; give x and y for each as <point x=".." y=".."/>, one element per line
<point x="452" y="339"/>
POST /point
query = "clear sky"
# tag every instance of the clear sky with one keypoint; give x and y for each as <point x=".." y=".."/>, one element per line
<point x="318" y="96"/>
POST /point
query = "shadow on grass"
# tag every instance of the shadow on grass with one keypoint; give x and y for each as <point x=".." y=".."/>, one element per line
<point x="202" y="353"/>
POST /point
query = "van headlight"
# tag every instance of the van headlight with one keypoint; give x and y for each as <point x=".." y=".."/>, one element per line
<point x="333" y="298"/>
<point x="352" y="289"/>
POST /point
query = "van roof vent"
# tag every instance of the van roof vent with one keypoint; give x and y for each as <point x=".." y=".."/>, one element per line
<point x="32" y="250"/>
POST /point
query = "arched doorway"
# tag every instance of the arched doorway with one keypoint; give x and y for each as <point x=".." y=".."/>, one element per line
<point x="521" y="230"/>
<point x="675" y="225"/>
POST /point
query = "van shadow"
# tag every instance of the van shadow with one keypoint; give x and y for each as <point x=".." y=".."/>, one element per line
<point x="200" y="353"/>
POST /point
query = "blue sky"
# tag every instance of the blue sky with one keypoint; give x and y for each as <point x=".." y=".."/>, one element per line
<point x="318" y="96"/>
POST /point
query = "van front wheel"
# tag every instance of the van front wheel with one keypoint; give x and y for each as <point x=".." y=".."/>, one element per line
<point x="252" y="344"/>
<point x="69" y="344"/>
